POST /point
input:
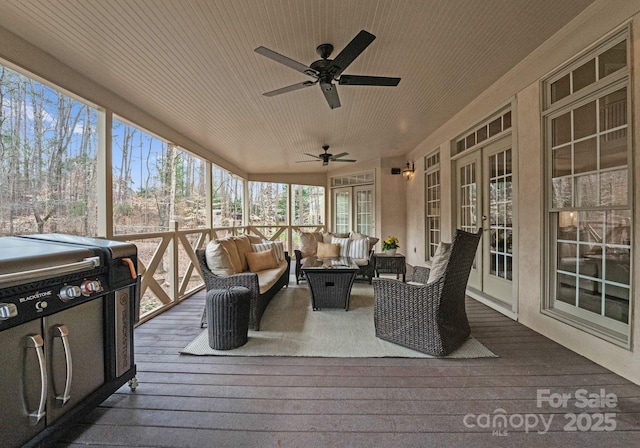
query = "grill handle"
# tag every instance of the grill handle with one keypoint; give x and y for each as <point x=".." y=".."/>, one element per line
<point x="35" y="341"/>
<point x="63" y="333"/>
<point x="16" y="278"/>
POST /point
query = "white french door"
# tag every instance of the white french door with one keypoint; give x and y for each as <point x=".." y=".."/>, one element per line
<point x="353" y="209"/>
<point x="484" y="194"/>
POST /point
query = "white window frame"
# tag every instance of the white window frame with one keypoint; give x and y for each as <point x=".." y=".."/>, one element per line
<point x="432" y="236"/>
<point x="590" y="322"/>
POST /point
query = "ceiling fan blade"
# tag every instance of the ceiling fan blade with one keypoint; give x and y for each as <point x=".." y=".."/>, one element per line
<point x="343" y="160"/>
<point x="311" y="155"/>
<point x="289" y="88"/>
<point x="353" y="49"/>
<point x="331" y="94"/>
<point x="305" y="161"/>
<point x="297" y="66"/>
<point x="342" y="154"/>
<point x="354" y="80"/>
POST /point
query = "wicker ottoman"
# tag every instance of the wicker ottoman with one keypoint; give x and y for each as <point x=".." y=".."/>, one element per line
<point x="228" y="317"/>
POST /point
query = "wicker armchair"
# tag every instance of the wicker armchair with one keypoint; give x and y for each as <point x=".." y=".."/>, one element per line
<point x="429" y="318"/>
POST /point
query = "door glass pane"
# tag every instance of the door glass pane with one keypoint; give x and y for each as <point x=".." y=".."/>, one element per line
<point x="500" y="219"/>
<point x="364" y="212"/>
<point x="342" y="212"/>
<point x="468" y="203"/>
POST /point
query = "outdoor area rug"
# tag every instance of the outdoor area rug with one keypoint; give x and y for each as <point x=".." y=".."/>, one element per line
<point x="289" y="327"/>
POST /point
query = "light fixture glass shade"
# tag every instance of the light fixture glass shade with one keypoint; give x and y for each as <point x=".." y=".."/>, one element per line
<point x="407" y="173"/>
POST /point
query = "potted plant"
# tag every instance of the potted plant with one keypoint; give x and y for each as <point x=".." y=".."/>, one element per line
<point x="390" y="245"/>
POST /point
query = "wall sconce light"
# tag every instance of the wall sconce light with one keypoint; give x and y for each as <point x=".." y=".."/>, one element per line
<point x="407" y="173"/>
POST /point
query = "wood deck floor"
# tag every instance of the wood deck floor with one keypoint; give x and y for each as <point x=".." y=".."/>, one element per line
<point x="189" y="401"/>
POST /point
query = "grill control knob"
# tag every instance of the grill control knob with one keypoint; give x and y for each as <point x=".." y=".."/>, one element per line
<point x="70" y="292"/>
<point x="8" y="310"/>
<point x="89" y="286"/>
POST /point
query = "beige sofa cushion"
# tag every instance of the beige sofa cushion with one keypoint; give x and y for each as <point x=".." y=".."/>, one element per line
<point x="268" y="277"/>
<point x="243" y="244"/>
<point x="254" y="239"/>
<point x="218" y="259"/>
<point x="309" y="242"/>
<point x="230" y="244"/>
<point x="260" y="261"/>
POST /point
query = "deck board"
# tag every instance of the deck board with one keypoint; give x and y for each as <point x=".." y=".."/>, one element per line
<point x="196" y="401"/>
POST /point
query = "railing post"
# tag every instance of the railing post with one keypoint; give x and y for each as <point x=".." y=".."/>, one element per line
<point x="172" y="254"/>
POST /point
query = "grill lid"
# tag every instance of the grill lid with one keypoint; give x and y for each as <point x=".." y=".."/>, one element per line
<point x="20" y="255"/>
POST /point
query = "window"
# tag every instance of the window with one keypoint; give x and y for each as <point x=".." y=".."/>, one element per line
<point x="432" y="208"/>
<point x="588" y="189"/>
<point x="227" y="198"/>
<point x="268" y="207"/>
<point x="308" y="205"/>
<point x="154" y="183"/>
<point x="48" y="160"/>
<point x="491" y="128"/>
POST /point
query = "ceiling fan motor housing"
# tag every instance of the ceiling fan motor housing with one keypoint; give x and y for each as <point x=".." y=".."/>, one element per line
<point x="324" y="50"/>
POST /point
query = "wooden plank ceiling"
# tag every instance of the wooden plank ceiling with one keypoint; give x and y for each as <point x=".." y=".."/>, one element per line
<point x="191" y="64"/>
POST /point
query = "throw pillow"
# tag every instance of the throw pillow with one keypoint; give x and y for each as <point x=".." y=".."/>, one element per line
<point x="356" y="236"/>
<point x="439" y="263"/>
<point x="218" y="259"/>
<point x="230" y="244"/>
<point x="372" y="242"/>
<point x="308" y="243"/>
<point x="328" y="250"/>
<point x="260" y="261"/>
<point x="276" y="246"/>
<point x="254" y="239"/>
<point x="243" y="244"/>
<point x="344" y="245"/>
<point x="359" y="248"/>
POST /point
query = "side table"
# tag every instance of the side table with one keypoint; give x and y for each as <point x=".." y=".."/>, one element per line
<point x="390" y="264"/>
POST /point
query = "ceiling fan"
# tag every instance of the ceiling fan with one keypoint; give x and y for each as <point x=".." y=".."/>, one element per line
<point x="326" y="157"/>
<point x="326" y="70"/>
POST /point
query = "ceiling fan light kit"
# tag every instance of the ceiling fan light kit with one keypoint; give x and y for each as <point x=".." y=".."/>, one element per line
<point x="326" y="71"/>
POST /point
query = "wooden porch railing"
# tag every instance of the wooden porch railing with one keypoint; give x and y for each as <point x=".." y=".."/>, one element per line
<point x="168" y="265"/>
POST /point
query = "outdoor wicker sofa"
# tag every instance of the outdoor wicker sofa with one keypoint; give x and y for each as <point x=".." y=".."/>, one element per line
<point x="428" y="317"/>
<point x="309" y="241"/>
<point x="249" y="280"/>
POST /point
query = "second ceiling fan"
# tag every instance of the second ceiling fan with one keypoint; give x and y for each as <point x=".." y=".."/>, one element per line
<point x="326" y="70"/>
<point x="327" y="157"/>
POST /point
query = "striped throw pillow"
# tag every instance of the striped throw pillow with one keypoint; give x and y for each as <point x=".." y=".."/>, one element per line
<point x="359" y="248"/>
<point x="344" y="245"/>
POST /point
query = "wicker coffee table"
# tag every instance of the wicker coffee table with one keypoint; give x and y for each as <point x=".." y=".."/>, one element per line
<point x="330" y="281"/>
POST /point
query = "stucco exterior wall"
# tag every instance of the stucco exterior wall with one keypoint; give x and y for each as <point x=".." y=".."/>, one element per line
<point x="523" y="84"/>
